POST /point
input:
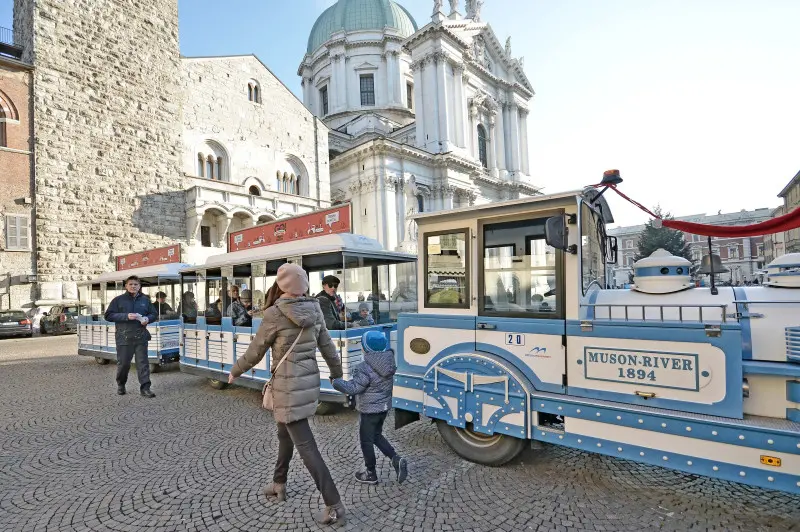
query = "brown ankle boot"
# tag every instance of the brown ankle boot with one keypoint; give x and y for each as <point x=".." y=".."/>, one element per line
<point x="332" y="514"/>
<point x="276" y="490"/>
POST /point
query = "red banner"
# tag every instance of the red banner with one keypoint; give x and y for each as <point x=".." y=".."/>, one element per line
<point x="317" y="223"/>
<point x="151" y="257"/>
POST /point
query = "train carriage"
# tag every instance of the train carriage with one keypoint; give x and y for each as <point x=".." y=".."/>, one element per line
<point x="518" y="339"/>
<point x="382" y="281"/>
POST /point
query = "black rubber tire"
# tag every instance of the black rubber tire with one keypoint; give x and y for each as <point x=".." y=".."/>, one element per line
<point x="494" y="450"/>
<point x="217" y="385"/>
<point x="101" y="361"/>
<point x="326" y="409"/>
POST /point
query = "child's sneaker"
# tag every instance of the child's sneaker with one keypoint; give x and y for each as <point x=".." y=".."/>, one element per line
<point x="400" y="467"/>
<point x="367" y="477"/>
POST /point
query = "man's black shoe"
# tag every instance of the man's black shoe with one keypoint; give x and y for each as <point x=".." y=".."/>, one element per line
<point x="148" y="393"/>
<point x="120" y="389"/>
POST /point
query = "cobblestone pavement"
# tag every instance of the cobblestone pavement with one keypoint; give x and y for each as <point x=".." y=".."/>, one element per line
<point x="75" y="456"/>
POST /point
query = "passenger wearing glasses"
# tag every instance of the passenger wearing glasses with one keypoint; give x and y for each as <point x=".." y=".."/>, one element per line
<point x="327" y="302"/>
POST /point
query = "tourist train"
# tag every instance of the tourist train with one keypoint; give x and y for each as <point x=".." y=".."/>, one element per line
<point x="517" y="340"/>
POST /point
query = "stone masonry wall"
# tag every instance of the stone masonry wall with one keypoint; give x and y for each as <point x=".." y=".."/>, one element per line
<point x="107" y="105"/>
<point x="256" y="136"/>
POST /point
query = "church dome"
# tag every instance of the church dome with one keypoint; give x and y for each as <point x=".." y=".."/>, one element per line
<point x="356" y="15"/>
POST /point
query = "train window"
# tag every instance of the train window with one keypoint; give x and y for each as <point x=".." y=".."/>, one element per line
<point x="519" y="271"/>
<point x="593" y="263"/>
<point x="446" y="270"/>
<point x="192" y="298"/>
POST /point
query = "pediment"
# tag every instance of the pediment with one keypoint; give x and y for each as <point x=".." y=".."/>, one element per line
<point x="366" y="66"/>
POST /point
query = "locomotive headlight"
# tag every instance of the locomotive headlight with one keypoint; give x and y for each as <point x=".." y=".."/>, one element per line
<point x="745" y="388"/>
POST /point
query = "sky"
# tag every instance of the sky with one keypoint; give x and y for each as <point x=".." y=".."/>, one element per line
<point x="696" y="102"/>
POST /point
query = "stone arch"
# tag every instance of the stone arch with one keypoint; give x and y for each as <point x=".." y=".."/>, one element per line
<point x="8" y="110"/>
<point x="291" y="165"/>
<point x="265" y="218"/>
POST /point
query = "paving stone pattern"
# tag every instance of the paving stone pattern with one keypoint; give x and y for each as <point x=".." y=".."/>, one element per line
<point x="75" y="456"/>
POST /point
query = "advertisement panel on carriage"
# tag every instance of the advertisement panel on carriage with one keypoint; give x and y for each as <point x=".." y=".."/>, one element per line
<point x="318" y="223"/>
<point x="151" y="257"/>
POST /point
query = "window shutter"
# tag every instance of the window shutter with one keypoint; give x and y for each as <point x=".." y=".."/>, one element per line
<point x="11" y="232"/>
<point x="23" y="226"/>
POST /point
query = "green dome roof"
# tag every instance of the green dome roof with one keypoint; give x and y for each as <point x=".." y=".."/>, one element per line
<point x="354" y="15"/>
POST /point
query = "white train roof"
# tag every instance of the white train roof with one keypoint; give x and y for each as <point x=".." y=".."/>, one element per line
<point x="162" y="271"/>
<point x="587" y="193"/>
<point x="342" y="242"/>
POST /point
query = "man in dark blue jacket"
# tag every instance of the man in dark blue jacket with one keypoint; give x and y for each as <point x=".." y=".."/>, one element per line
<point x="131" y="312"/>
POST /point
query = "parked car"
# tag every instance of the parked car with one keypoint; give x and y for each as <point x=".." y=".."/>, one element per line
<point x="14" y="323"/>
<point x="61" y="319"/>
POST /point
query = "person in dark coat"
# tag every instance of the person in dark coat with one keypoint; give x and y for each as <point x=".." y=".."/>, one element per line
<point x="372" y="385"/>
<point x="327" y="302"/>
<point x="131" y="312"/>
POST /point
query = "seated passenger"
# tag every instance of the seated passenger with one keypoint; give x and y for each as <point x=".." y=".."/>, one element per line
<point x="163" y="309"/>
<point x="363" y="318"/>
<point x="241" y="310"/>
<point x="327" y="302"/>
<point x="188" y="306"/>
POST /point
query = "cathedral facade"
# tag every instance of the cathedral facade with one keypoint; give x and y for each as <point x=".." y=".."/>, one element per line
<point x="421" y="118"/>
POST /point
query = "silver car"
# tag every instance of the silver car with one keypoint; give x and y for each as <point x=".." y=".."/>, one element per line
<point x="15" y="323"/>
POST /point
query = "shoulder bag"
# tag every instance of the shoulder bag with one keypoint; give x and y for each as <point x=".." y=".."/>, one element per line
<point x="267" y="401"/>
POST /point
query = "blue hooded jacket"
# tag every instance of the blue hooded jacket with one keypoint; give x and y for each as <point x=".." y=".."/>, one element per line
<point x="372" y="382"/>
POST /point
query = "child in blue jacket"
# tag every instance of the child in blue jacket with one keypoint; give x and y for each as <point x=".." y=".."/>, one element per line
<point x="372" y="386"/>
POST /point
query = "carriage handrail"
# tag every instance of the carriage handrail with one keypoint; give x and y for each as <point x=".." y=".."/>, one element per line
<point x="766" y="302"/>
<point x="661" y="308"/>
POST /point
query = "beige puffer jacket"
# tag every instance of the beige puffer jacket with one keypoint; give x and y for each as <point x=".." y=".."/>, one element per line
<point x="296" y="384"/>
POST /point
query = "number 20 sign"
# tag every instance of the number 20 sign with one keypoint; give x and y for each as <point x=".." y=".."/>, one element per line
<point x="515" y="339"/>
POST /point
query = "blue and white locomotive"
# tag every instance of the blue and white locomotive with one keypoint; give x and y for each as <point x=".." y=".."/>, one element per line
<point x="518" y="338"/>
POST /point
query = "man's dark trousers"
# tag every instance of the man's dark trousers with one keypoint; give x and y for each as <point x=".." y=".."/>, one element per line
<point x="126" y="353"/>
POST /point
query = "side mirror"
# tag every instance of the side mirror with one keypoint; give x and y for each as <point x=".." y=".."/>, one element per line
<point x="556" y="234"/>
<point x="612" y="247"/>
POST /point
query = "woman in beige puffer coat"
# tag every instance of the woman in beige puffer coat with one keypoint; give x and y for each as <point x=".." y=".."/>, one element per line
<point x="295" y="385"/>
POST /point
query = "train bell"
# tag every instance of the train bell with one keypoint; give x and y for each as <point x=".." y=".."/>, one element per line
<point x="708" y="261"/>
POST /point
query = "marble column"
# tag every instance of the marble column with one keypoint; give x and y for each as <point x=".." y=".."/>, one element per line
<point x="458" y="106"/>
<point x="419" y="102"/>
<point x="491" y="150"/>
<point x="444" y="106"/>
<point x="525" y="162"/>
<point x="388" y="67"/>
<point x="334" y="87"/>
<point x="514" y="137"/>
<point x="500" y="142"/>
<point x="431" y="106"/>
<point x="399" y="85"/>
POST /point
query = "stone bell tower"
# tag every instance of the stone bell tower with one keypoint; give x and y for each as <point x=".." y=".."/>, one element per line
<point x="107" y="125"/>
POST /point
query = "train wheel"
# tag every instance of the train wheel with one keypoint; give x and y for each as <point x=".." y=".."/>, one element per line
<point x="101" y="361"/>
<point x="490" y="450"/>
<point x="217" y="385"/>
<point x="326" y="409"/>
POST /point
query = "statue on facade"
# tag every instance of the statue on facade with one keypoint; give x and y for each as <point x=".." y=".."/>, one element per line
<point x="508" y="47"/>
<point x="437" y="5"/>
<point x="453" y="6"/>
<point x="474" y="9"/>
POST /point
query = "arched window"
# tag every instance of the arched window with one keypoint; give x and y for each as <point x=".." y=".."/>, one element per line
<point x="278" y="181"/>
<point x="285" y="187"/>
<point x="254" y="191"/>
<point x="482" y="146"/>
<point x="297" y="185"/>
<point x="253" y="91"/>
<point x="291" y="184"/>
<point x="218" y="169"/>
<point x="420" y="203"/>
<point x="200" y="165"/>
<point x="210" y="167"/>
